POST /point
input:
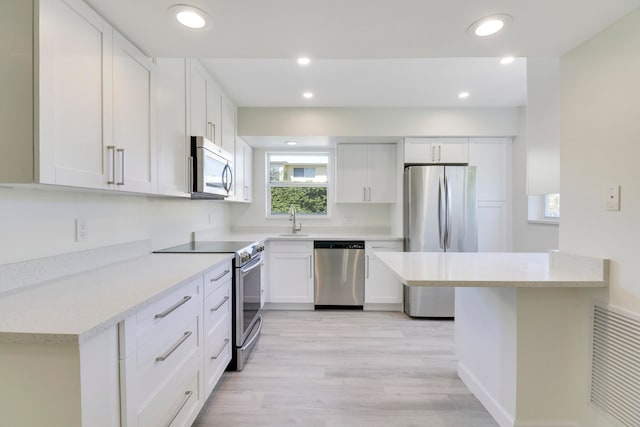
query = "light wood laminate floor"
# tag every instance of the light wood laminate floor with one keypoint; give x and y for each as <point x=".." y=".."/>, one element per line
<point x="347" y="368"/>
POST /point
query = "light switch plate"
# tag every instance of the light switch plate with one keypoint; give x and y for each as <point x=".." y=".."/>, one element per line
<point x="613" y="198"/>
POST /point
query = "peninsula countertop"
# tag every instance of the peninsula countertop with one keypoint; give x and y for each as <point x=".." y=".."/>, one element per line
<point x="512" y="270"/>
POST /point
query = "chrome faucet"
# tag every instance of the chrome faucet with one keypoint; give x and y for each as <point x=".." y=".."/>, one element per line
<point x="295" y="227"/>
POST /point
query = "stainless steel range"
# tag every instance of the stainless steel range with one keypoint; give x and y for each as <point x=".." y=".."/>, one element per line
<point x="246" y="318"/>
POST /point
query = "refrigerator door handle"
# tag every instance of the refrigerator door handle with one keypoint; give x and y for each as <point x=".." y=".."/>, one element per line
<point x="447" y="238"/>
<point x="442" y="218"/>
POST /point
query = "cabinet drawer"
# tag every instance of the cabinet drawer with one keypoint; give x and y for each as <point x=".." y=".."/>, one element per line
<point x="177" y="403"/>
<point x="289" y="246"/>
<point x="384" y="245"/>
<point x="217" y="306"/>
<point x="217" y="275"/>
<point x="159" y="358"/>
<point x="179" y="303"/>
<point x="217" y="352"/>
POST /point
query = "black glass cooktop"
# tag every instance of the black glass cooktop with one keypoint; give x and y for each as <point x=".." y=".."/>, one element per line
<point x="207" y="247"/>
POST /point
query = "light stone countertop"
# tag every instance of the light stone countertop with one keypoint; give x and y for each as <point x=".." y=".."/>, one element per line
<point x="75" y="307"/>
<point x="511" y="270"/>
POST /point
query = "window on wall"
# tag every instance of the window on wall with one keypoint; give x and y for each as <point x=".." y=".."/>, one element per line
<point x="544" y="208"/>
<point x="300" y="180"/>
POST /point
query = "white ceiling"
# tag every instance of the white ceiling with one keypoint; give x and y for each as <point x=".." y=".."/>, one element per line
<point x="376" y="53"/>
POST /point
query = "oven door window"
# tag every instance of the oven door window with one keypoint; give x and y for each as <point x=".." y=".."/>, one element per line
<point x="250" y="275"/>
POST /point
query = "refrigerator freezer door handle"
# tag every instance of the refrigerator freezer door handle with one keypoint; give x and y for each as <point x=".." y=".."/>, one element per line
<point x="447" y="239"/>
<point x="441" y="218"/>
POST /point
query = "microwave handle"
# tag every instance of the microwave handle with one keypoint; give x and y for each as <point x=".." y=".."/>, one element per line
<point x="227" y="178"/>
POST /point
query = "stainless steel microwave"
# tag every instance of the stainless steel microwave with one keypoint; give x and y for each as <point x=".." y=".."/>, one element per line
<point x="211" y="170"/>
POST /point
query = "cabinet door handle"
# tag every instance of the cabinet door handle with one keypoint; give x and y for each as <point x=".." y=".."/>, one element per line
<point x="187" y="396"/>
<point x="220" y="304"/>
<point x="171" y="309"/>
<point x="310" y="268"/>
<point x="439" y="152"/>
<point x="433" y="153"/>
<point x="112" y="178"/>
<point x="369" y="193"/>
<point x="121" y="151"/>
<point x="174" y="347"/>
<point x="224" y="344"/>
<point x="215" y="279"/>
<point x="367" y="266"/>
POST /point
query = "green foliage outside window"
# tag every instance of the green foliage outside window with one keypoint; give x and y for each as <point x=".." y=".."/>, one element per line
<point x="307" y="200"/>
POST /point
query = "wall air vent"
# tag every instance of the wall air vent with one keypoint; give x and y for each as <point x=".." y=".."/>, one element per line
<point x="615" y="365"/>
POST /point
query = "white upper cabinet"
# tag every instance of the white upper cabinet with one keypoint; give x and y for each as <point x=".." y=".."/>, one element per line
<point x="134" y="113"/>
<point x="228" y="122"/>
<point x="492" y="156"/>
<point x="205" y="102"/>
<point x="172" y="140"/>
<point x="436" y="150"/>
<point x="243" y="176"/>
<point x="366" y="173"/>
<point x="93" y="94"/>
<point x="74" y="82"/>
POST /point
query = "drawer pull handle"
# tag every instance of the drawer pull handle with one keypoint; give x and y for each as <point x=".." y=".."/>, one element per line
<point x="225" y="299"/>
<point x="173" y="348"/>
<point x="187" y="396"/>
<point x="171" y="309"/>
<point x="215" y="279"/>
<point x="224" y="345"/>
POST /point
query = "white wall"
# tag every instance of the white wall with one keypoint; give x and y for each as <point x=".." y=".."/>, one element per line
<point x="349" y="217"/>
<point x="39" y="223"/>
<point x="600" y="145"/>
<point x="527" y="237"/>
<point x="543" y="125"/>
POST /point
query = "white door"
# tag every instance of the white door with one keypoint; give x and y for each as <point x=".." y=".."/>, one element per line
<point x="198" y="102"/>
<point x="452" y="150"/>
<point x="351" y="173"/>
<point x="74" y="62"/>
<point x="381" y="173"/>
<point x="291" y="277"/>
<point x="134" y="89"/>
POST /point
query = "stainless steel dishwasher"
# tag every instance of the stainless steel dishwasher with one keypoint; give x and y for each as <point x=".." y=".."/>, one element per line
<point x="339" y="274"/>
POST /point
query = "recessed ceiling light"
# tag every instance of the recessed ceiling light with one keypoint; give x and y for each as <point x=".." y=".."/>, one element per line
<point x="507" y="60"/>
<point x="303" y="60"/>
<point x="308" y="95"/>
<point x="463" y="95"/>
<point x="291" y="143"/>
<point x="189" y="16"/>
<point x="489" y="25"/>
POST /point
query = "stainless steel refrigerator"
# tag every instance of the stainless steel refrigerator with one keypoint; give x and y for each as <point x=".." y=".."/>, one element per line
<point x="440" y="215"/>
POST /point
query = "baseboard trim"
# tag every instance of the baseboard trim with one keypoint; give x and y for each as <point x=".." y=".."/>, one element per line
<point x="502" y="417"/>
<point x="545" y="424"/>
<point x="288" y="306"/>
<point x="382" y="307"/>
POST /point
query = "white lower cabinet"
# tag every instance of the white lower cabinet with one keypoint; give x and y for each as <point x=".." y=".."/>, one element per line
<point x="291" y="271"/>
<point x="173" y="352"/>
<point x="217" y="325"/>
<point x="382" y="290"/>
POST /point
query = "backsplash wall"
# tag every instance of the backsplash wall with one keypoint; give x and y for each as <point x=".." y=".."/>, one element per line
<point x="36" y="223"/>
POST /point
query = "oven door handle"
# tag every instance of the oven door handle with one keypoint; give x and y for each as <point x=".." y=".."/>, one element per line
<point x="255" y="263"/>
<point x="257" y="324"/>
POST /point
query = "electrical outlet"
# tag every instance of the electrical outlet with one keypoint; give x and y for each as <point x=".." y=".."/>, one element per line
<point x="613" y="198"/>
<point x="82" y="230"/>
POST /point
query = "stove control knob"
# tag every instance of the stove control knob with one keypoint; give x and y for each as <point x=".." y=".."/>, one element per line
<point x="260" y="247"/>
<point x="244" y="256"/>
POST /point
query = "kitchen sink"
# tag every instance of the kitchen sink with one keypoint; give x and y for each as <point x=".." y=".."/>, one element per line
<point x="292" y="235"/>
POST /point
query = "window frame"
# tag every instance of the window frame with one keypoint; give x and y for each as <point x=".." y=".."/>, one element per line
<point x="328" y="185"/>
